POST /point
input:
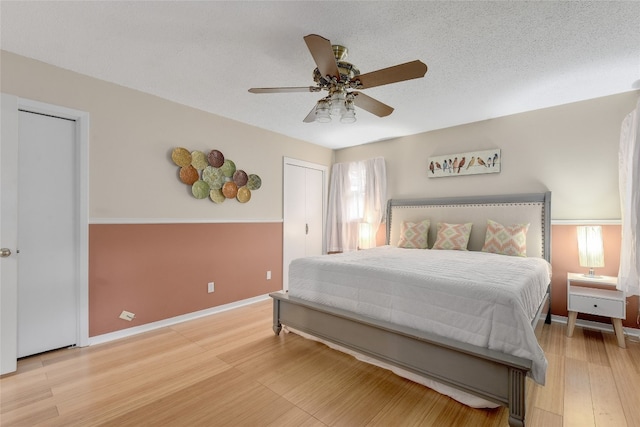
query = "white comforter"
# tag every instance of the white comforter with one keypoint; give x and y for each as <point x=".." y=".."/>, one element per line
<point x="479" y="298"/>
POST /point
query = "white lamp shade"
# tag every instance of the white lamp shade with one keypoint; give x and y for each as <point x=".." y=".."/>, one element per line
<point x="590" y="246"/>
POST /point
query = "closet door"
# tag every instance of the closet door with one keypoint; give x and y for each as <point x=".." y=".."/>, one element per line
<point x="303" y="212"/>
<point x="48" y="270"/>
<point x="314" y="204"/>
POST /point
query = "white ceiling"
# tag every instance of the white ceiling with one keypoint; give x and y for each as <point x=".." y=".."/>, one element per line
<point x="485" y="59"/>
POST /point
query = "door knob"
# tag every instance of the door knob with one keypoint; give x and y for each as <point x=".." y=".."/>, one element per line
<point x="5" y="252"/>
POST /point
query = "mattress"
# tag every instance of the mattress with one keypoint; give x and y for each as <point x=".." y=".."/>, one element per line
<point x="484" y="299"/>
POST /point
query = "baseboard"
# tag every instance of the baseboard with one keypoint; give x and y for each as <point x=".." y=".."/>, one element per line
<point x="632" y="333"/>
<point x="100" y="339"/>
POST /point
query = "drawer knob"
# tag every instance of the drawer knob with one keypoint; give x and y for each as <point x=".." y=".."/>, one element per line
<point x="595" y="305"/>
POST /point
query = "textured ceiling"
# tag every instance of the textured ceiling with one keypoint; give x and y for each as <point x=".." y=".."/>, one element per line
<point x="485" y="59"/>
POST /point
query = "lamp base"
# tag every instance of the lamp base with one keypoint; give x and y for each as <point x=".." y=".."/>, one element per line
<point x="591" y="274"/>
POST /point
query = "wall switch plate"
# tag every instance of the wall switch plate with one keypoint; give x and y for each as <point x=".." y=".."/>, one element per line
<point x="210" y="287"/>
<point x="125" y="315"/>
<point x="269" y="275"/>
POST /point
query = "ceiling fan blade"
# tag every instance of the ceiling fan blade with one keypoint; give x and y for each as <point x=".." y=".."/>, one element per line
<point x="371" y="105"/>
<point x="397" y="73"/>
<point x="322" y="53"/>
<point x="284" y="89"/>
<point x="311" y="117"/>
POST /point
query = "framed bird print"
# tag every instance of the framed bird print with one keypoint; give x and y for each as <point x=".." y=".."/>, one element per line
<point x="471" y="163"/>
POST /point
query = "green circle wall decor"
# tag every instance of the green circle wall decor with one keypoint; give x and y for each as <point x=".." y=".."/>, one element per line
<point x="228" y="168"/>
<point x="200" y="189"/>
<point x="214" y="177"/>
<point x="216" y="196"/>
<point x="254" y="182"/>
<point x="199" y="160"/>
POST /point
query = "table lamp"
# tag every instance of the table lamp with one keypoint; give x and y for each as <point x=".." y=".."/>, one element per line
<point x="590" y="248"/>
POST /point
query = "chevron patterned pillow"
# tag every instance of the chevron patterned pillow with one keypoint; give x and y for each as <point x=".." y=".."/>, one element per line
<point x="453" y="236"/>
<point x="506" y="240"/>
<point x="413" y="235"/>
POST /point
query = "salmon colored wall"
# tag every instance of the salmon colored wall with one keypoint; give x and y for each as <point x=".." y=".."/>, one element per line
<point x="564" y="259"/>
<point x="159" y="271"/>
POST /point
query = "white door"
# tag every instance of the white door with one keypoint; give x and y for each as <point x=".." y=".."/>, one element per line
<point x="44" y="189"/>
<point x="47" y="233"/>
<point x="314" y="205"/>
<point x="8" y="233"/>
<point x="294" y="218"/>
<point x="303" y="212"/>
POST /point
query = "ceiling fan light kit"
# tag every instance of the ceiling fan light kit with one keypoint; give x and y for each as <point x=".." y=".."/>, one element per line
<point x="341" y="79"/>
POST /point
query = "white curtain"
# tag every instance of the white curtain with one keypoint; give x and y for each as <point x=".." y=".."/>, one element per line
<point x="357" y="200"/>
<point x="629" y="164"/>
<point x="339" y="232"/>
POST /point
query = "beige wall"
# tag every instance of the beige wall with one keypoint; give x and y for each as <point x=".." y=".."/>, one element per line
<point x="571" y="150"/>
<point x="132" y="134"/>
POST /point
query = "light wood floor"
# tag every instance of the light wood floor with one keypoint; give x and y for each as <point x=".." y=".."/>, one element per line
<point x="229" y="369"/>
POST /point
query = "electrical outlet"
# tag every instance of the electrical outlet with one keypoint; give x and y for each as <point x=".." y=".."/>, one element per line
<point x="210" y="287"/>
<point x="125" y="315"/>
<point x="269" y="275"/>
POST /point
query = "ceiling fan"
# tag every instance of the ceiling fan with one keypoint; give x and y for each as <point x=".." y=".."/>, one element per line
<point x="343" y="81"/>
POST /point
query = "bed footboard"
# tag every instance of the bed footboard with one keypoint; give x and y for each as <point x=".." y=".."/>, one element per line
<point x="492" y="375"/>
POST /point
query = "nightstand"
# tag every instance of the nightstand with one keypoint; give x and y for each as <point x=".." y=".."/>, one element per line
<point x="603" y="301"/>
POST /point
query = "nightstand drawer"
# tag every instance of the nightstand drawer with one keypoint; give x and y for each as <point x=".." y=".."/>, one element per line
<point x="597" y="306"/>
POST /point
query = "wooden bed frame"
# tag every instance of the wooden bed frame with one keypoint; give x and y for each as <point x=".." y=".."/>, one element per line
<point x="492" y="375"/>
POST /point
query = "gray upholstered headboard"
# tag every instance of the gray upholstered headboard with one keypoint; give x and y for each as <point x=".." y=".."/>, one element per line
<point x="532" y="208"/>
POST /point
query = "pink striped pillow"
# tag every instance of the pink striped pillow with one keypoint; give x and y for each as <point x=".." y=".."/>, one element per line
<point x="453" y="236"/>
<point x="413" y="235"/>
<point x="509" y="240"/>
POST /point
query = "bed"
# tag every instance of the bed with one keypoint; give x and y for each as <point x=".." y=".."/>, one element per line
<point x="325" y="302"/>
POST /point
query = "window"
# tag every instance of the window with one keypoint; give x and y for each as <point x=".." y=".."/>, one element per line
<point x="357" y="197"/>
